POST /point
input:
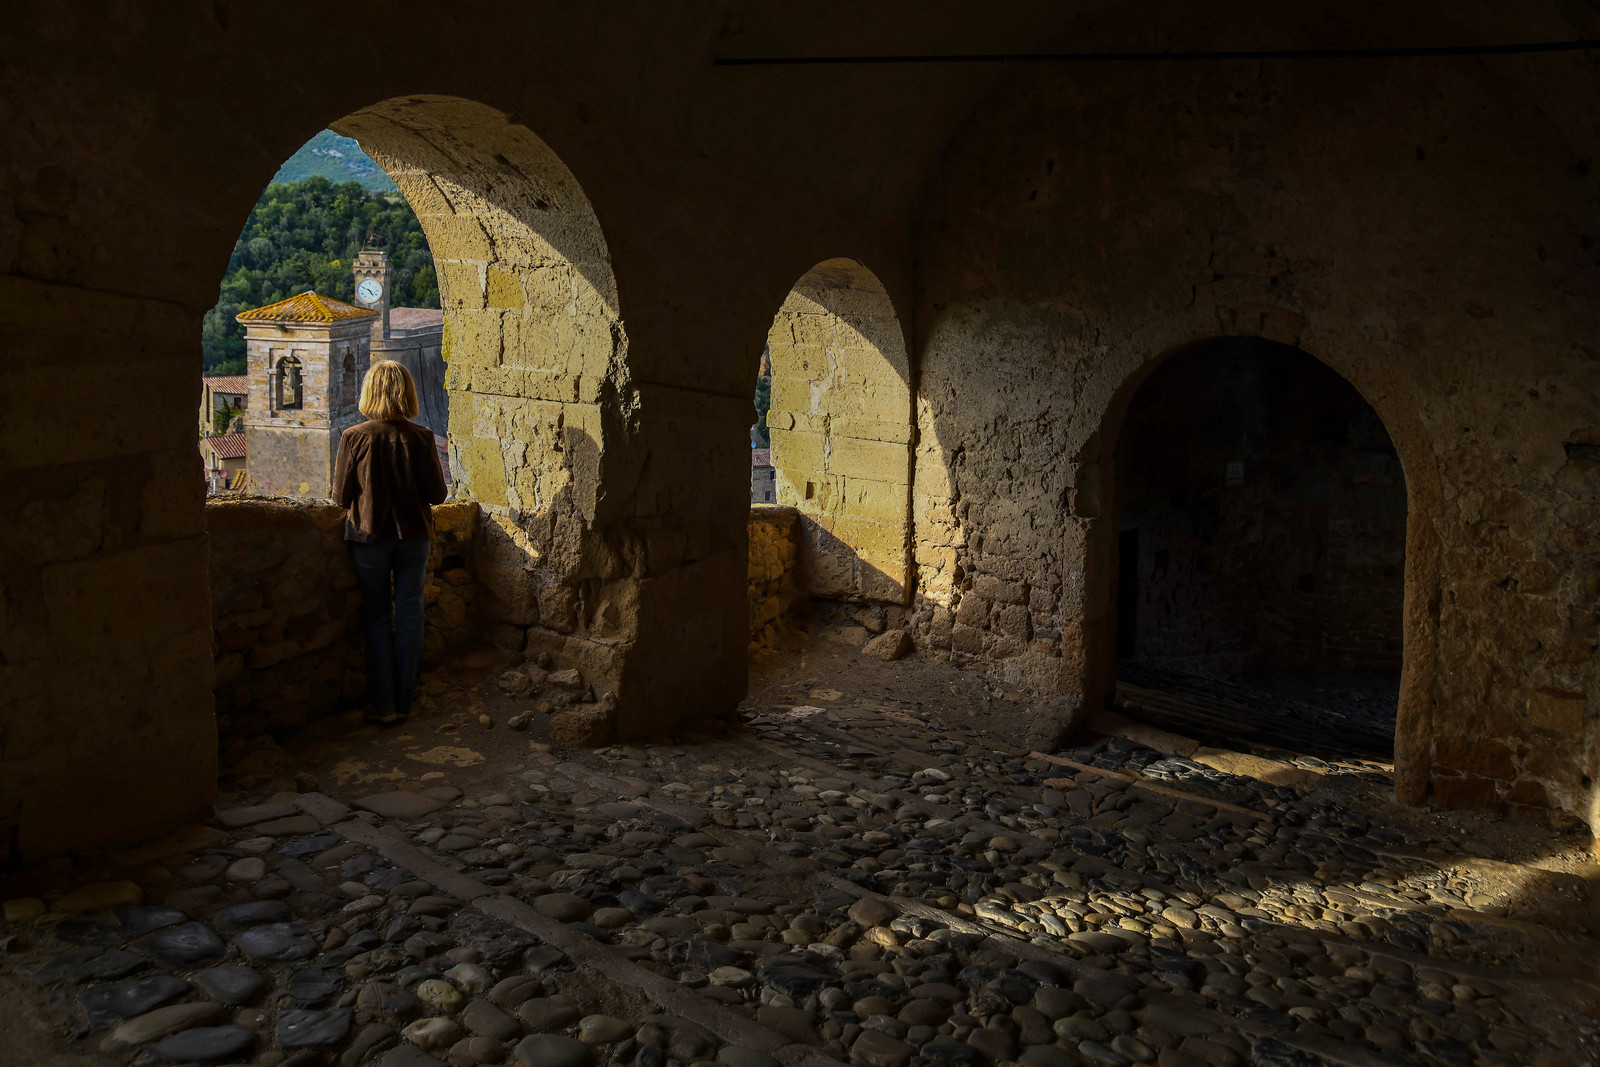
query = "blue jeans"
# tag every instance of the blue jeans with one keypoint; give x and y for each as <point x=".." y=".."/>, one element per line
<point x="391" y="574"/>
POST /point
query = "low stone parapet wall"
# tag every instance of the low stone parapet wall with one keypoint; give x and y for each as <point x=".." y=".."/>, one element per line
<point x="775" y="580"/>
<point x="284" y="606"/>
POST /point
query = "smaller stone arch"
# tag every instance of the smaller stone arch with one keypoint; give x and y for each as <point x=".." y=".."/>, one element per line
<point x="1090" y="541"/>
<point x="291" y="383"/>
<point x="840" y="422"/>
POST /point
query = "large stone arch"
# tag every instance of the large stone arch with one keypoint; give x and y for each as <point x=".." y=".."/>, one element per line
<point x="536" y="368"/>
<point x="1089" y="550"/>
<point x="841" y="431"/>
<point x="533" y="332"/>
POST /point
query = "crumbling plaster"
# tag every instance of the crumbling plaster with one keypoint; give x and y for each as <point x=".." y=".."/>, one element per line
<point x="137" y="138"/>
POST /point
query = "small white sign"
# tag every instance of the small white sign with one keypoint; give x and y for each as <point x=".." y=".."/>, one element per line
<point x="1233" y="476"/>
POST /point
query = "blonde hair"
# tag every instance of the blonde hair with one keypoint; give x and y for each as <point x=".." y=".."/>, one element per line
<point x="388" y="393"/>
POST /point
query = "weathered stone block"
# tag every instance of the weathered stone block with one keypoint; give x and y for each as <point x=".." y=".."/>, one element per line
<point x="1005" y="592"/>
<point x="890" y="645"/>
<point x="967" y="639"/>
<point x="868" y="429"/>
<point x="875" y="501"/>
<point x="583" y="727"/>
<point x="126" y="598"/>
<point x="1529" y="792"/>
<point x="1015" y="621"/>
<point x="973" y="610"/>
<point x="558" y="606"/>
<point x="1484" y="756"/>
<point x="803" y="453"/>
<point x="514" y="592"/>
<point x="1560" y="711"/>
<point x="876" y="460"/>
<point x="460" y="289"/>
<point x="1466" y="793"/>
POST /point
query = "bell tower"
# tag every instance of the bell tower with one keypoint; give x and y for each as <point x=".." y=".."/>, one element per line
<point x="372" y="272"/>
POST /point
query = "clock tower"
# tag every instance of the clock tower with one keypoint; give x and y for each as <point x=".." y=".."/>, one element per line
<point x="372" y="285"/>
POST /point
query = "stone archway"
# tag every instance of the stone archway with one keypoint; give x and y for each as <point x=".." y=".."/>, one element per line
<point x="1260" y="511"/>
<point x="534" y="342"/>
<point x="536" y="369"/>
<point x="1088" y="645"/>
<point x="841" y="431"/>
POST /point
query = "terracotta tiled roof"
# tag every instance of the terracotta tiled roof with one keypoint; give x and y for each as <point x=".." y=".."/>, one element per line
<point x="226" y="445"/>
<point x="415" y="318"/>
<point x="228" y="383"/>
<point x="306" y="307"/>
<point x="761" y="457"/>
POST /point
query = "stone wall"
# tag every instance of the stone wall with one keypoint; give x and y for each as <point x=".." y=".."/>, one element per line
<point x="841" y="431"/>
<point x="1424" y="226"/>
<point x="777" y="585"/>
<point x="284" y="600"/>
<point x="292" y="450"/>
<point x="105" y="635"/>
<point x="1086" y="230"/>
<point x="418" y="350"/>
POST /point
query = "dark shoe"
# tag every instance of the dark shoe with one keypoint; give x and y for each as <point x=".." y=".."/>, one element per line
<point x="381" y="716"/>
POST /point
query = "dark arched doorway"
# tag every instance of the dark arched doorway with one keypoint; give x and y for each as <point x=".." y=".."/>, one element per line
<point x="1261" y="528"/>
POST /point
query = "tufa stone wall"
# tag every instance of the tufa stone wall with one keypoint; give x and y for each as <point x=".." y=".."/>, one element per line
<point x="1046" y="305"/>
<point x="841" y="431"/>
<point x="777" y="585"/>
<point x="591" y="545"/>
<point x="284" y="600"/>
<point x="105" y="646"/>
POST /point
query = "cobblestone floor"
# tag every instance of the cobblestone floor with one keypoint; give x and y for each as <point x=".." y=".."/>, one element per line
<point x="855" y="873"/>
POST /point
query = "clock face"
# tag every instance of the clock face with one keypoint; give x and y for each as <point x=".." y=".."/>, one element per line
<point x="369" y="290"/>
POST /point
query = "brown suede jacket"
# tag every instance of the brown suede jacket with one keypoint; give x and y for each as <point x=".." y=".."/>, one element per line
<point x="386" y="477"/>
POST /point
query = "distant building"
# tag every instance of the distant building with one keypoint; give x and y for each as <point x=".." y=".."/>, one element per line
<point x="307" y="356"/>
<point x="416" y="339"/>
<point x="412" y="337"/>
<point x="763" y="478"/>
<point x="223" y="392"/>
<point x="222" y="455"/>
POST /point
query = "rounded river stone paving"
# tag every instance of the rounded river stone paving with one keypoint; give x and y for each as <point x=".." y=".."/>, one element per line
<point x="551" y="1050"/>
<point x="310" y="986"/>
<point x="139" y="919"/>
<point x="299" y="1028"/>
<point x="88" y="964"/>
<point x="400" y="805"/>
<point x="276" y="942"/>
<point x="204" y="1044"/>
<point x="231" y="985"/>
<point x="308" y="846"/>
<point x="88" y="932"/>
<point x="185" y="944"/>
<point x="127" y="999"/>
<point x="254" y="913"/>
<point x="794" y="977"/>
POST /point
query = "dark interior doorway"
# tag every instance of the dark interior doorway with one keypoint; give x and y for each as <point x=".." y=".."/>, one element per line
<point x="1260" y="580"/>
<point x="1128" y="594"/>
